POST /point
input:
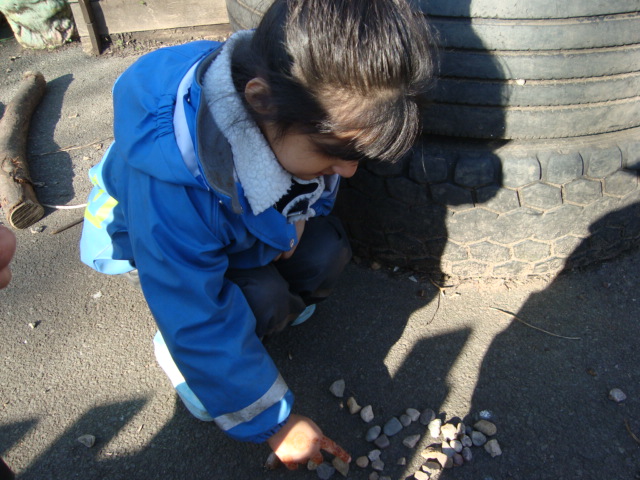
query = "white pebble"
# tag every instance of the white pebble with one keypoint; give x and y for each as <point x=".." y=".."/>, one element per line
<point x="366" y="414"/>
<point x="617" y="395"/>
<point x="374" y="454"/>
<point x="353" y="406"/>
<point x="337" y="388"/>
<point x="434" y="427"/>
<point x="493" y="448"/>
<point x="421" y="475"/>
<point x="449" y="431"/>
<point x="411" y="441"/>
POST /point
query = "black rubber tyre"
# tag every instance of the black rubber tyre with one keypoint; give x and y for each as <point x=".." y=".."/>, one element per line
<point x="477" y="209"/>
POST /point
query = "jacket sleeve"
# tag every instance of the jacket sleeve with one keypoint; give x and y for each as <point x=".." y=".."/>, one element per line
<point x="204" y="318"/>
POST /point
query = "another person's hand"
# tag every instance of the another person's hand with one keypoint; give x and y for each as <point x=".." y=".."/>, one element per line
<point x="299" y="230"/>
<point x="7" y="249"/>
<point x="300" y="440"/>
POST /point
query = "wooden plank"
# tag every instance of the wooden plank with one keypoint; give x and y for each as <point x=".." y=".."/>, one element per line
<point x="123" y="16"/>
<point x="87" y="15"/>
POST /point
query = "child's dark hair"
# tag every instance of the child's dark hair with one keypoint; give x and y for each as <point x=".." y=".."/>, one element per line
<point x="356" y="68"/>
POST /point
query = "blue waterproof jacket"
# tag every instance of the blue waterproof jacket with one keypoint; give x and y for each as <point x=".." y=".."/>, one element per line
<point x="182" y="229"/>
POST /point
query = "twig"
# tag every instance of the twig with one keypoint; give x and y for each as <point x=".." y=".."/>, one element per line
<point x="626" y="424"/>
<point x="533" y="326"/>
<point x="441" y="291"/>
<point x="68" y="226"/>
<point x="72" y="147"/>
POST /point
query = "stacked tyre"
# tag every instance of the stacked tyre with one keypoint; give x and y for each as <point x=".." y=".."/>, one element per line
<point x="531" y="148"/>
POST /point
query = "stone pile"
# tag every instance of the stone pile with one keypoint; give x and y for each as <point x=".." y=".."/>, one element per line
<point x="448" y="444"/>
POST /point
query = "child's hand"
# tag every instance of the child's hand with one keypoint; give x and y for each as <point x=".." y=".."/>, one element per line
<point x="299" y="229"/>
<point x="301" y="440"/>
<point x="7" y="249"/>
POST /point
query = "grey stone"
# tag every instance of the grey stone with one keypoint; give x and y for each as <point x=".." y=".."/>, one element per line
<point x="341" y="466"/>
<point x="458" y="460"/>
<point x="617" y="395"/>
<point x="493" y="448"/>
<point x="377" y="465"/>
<point x="405" y="420"/>
<point x="337" y="388"/>
<point x="362" y="462"/>
<point x="325" y="471"/>
<point x="87" y="440"/>
<point x="382" y="441"/>
<point x="413" y="414"/>
<point x="467" y="454"/>
<point x="374" y="454"/>
<point x="426" y="416"/>
<point x="478" y="438"/>
<point x="411" y="440"/>
<point x="374" y="476"/>
<point x="456" y="445"/>
<point x="353" y="406"/>
<point x="366" y="414"/>
<point x="373" y="433"/>
<point x="541" y="195"/>
<point x="486" y="427"/>
<point x="392" y="427"/>
<point x="466" y="441"/>
<point x="582" y="191"/>
<point x="447" y="449"/>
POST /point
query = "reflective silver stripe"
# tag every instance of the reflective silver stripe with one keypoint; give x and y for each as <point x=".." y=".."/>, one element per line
<point x="270" y="398"/>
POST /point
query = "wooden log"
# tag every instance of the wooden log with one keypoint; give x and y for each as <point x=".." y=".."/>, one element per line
<point x="17" y="196"/>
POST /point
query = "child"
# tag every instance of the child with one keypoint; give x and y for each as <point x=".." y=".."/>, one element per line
<point x="216" y="191"/>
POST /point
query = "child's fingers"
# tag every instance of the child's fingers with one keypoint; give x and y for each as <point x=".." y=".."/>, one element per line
<point x="291" y="465"/>
<point x="333" y="448"/>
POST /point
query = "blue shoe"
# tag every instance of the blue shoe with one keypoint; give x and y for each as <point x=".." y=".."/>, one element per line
<point x="193" y="404"/>
<point x="305" y="315"/>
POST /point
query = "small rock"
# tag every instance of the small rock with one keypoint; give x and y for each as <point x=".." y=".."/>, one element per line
<point x="430" y="453"/>
<point x="87" y="440"/>
<point x="466" y="441"/>
<point x="493" y="448"/>
<point x="521" y="81"/>
<point x="374" y="476"/>
<point x="392" y="427"/>
<point x="413" y="414"/>
<point x="362" y="462"/>
<point x="375" y="266"/>
<point x="325" y="471"/>
<point x="385" y="478"/>
<point x="421" y="475"/>
<point x="427" y="416"/>
<point x="97" y="295"/>
<point x="617" y="395"/>
<point x="486" y="415"/>
<point x="434" y="427"/>
<point x="353" y="406"/>
<point x="431" y="467"/>
<point x="337" y="388"/>
<point x="382" y="441"/>
<point x="38" y="229"/>
<point x="367" y="414"/>
<point x="411" y="441"/>
<point x="373" y="433"/>
<point x="478" y="439"/>
<point x="457" y="460"/>
<point x="374" y="454"/>
<point x="449" y="431"/>
<point x="272" y="462"/>
<point x="341" y="466"/>
<point x="456" y="445"/>
<point x="405" y="420"/>
<point x="447" y="449"/>
<point x="402" y="461"/>
<point x="460" y="429"/>
<point x="467" y="454"/>
<point x="486" y="427"/>
<point x="377" y="465"/>
<point x="312" y="466"/>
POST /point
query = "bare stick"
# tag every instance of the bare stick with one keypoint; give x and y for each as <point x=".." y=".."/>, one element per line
<point x="533" y="326"/>
<point x="17" y="196"/>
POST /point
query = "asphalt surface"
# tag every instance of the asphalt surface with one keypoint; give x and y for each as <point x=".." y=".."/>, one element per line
<point x="76" y="355"/>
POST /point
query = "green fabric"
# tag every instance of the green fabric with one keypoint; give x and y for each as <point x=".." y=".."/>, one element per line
<point x="39" y="23"/>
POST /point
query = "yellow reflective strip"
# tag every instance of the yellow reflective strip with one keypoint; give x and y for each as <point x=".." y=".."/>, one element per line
<point x="103" y="212"/>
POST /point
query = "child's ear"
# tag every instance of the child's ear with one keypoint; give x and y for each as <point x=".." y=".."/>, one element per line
<point x="258" y="95"/>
